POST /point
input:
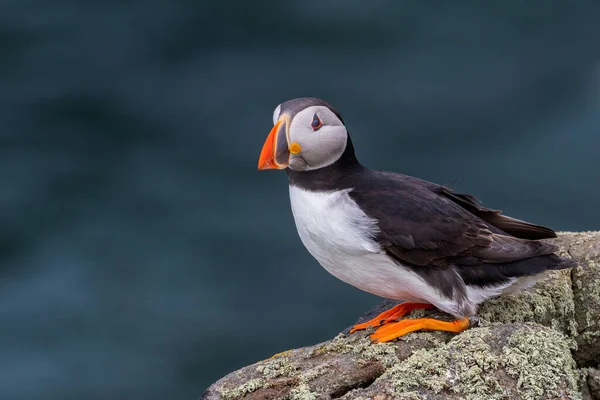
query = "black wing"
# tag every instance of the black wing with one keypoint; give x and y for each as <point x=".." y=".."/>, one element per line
<point x="425" y="224"/>
<point x="512" y="226"/>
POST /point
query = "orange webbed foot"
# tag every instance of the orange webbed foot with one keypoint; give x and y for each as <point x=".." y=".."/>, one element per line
<point x="394" y="313"/>
<point x="395" y="330"/>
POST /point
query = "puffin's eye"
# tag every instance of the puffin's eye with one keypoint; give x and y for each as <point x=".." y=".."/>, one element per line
<point x="316" y="122"/>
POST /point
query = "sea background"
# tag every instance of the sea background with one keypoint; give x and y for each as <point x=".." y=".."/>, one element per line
<point x="143" y="256"/>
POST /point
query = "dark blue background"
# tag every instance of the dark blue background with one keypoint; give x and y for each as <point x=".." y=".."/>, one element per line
<point x="142" y="254"/>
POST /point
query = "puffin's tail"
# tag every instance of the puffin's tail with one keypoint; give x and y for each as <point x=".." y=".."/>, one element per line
<point x="487" y="274"/>
<point x="535" y="265"/>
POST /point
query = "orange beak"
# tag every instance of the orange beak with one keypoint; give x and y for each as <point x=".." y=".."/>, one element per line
<point x="275" y="153"/>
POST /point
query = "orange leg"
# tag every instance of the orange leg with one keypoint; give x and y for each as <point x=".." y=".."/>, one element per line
<point x="400" y="328"/>
<point x="398" y="311"/>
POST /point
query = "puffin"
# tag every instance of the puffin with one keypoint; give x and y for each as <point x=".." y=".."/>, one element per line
<point x="397" y="236"/>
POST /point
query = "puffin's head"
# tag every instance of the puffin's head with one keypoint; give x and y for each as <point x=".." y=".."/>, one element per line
<point x="307" y="134"/>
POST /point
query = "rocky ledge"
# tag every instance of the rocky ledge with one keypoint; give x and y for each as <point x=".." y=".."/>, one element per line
<point x="543" y="343"/>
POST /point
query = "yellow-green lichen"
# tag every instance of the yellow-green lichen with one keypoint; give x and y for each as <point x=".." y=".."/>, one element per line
<point x="278" y="366"/>
<point x="433" y="338"/>
<point x="550" y="303"/>
<point x="409" y="396"/>
<point x="302" y="392"/>
<point x="589" y="337"/>
<point x="472" y="365"/>
<point x="248" y="387"/>
<point x="468" y="366"/>
<point x="340" y="344"/>
<point x="281" y="366"/>
<point x="588" y="292"/>
<point x="541" y="361"/>
<point x="423" y="369"/>
<point x="465" y="365"/>
<point x="313" y="373"/>
<point x="385" y="353"/>
<point x="558" y="287"/>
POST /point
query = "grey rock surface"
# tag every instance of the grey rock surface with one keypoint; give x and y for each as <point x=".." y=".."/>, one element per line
<point x="537" y="344"/>
<point x="593" y="383"/>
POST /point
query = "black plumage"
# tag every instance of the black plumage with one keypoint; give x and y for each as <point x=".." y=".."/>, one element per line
<point x="436" y="231"/>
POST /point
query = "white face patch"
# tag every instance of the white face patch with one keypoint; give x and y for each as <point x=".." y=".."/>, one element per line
<point x="276" y="114"/>
<point x="320" y="147"/>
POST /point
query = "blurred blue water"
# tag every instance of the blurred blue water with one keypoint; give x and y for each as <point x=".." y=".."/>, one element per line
<point x="141" y="253"/>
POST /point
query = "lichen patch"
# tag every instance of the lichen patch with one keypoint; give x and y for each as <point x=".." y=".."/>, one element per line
<point x="302" y="392"/>
<point x="474" y="363"/>
<point x="425" y="369"/>
<point x="550" y="302"/>
<point x="587" y="292"/>
<point x="541" y="361"/>
<point x="277" y="367"/>
<point x="242" y="390"/>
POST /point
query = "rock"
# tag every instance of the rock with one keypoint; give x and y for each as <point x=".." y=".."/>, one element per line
<point x="550" y="303"/>
<point x="500" y="362"/>
<point x="329" y="370"/>
<point x="534" y="344"/>
<point x="593" y="383"/>
<point x="585" y="247"/>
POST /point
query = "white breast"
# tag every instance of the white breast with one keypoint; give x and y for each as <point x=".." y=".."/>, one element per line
<point x="340" y="236"/>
